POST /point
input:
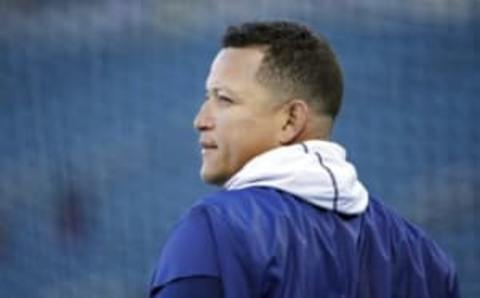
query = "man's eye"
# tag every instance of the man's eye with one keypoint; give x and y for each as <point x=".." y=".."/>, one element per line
<point x="224" y="99"/>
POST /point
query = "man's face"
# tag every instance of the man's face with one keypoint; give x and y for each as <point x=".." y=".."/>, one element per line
<point x="239" y="118"/>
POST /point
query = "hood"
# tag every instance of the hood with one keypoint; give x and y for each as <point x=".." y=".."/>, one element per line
<point x="315" y="171"/>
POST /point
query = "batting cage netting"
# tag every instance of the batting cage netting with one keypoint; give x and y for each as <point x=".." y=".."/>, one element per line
<point x="98" y="157"/>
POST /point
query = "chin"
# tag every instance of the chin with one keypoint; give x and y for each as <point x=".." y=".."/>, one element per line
<point x="213" y="178"/>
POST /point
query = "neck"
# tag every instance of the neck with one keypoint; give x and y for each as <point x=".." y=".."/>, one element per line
<point x="318" y="127"/>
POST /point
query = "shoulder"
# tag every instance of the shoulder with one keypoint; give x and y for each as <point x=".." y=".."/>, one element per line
<point x="251" y="213"/>
<point x="242" y="202"/>
<point x="243" y="196"/>
<point x="259" y="203"/>
<point x="408" y="237"/>
<point x="395" y="224"/>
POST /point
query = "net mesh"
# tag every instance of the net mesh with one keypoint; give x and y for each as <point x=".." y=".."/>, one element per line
<point x="97" y="154"/>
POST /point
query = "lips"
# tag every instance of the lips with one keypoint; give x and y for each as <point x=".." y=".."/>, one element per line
<point x="207" y="145"/>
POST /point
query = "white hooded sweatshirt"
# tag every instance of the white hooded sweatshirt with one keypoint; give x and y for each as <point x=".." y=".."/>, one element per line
<point x="316" y="171"/>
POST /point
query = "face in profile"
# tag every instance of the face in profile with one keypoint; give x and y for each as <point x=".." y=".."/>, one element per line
<point x="238" y="119"/>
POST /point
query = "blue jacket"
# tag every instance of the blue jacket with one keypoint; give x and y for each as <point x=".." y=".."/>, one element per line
<point x="261" y="242"/>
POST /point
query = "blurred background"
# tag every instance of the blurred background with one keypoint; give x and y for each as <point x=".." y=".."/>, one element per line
<point x="98" y="157"/>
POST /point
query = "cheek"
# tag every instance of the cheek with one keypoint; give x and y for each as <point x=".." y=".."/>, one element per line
<point x="245" y="138"/>
<point x="235" y="130"/>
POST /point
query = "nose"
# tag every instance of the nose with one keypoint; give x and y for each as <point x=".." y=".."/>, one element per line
<point x="203" y="120"/>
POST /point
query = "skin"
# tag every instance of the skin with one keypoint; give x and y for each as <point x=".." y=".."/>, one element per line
<point x="242" y="118"/>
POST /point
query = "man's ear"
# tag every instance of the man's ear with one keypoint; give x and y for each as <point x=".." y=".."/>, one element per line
<point x="294" y="121"/>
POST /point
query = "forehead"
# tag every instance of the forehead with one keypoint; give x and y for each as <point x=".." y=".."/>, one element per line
<point x="235" y="68"/>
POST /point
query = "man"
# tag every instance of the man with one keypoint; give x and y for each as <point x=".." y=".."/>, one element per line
<point x="292" y="219"/>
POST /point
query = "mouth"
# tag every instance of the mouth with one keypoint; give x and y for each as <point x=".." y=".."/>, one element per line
<point x="207" y="146"/>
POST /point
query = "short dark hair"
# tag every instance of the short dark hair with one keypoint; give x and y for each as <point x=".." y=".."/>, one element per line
<point x="297" y="60"/>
